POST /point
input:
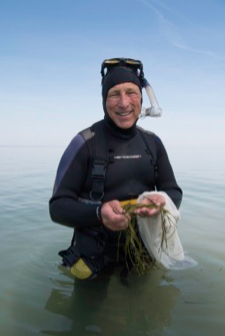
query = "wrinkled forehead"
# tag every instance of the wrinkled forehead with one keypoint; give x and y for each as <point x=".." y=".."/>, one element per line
<point x="124" y="87"/>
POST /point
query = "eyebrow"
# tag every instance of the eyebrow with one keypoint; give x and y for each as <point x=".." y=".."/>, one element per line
<point x="113" y="91"/>
<point x="117" y="90"/>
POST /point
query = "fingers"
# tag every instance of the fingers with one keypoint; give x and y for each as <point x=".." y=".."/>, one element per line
<point x="114" y="217"/>
<point x="117" y="208"/>
<point x="157" y="200"/>
<point x="146" y="212"/>
<point x="117" y="224"/>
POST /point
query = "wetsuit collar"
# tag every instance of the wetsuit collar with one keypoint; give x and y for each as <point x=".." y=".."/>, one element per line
<point x="117" y="131"/>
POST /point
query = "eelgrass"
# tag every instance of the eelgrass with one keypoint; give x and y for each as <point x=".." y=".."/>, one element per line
<point x="134" y="248"/>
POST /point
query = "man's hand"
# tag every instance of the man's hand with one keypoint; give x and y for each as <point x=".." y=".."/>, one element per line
<point x="113" y="216"/>
<point x="157" y="200"/>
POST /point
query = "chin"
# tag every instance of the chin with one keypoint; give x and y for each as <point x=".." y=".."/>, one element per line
<point x="125" y="125"/>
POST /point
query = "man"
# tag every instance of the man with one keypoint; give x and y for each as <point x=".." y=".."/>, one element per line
<point x="109" y="163"/>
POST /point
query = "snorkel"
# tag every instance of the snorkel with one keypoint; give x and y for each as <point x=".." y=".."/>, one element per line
<point x="154" y="110"/>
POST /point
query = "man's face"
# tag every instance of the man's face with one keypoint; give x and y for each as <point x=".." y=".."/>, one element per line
<point x="123" y="104"/>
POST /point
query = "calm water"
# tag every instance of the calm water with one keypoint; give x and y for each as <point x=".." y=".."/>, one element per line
<point x="39" y="297"/>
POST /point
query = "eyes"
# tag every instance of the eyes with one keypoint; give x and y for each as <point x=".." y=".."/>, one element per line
<point x="132" y="93"/>
<point x="118" y="94"/>
<point x="113" y="94"/>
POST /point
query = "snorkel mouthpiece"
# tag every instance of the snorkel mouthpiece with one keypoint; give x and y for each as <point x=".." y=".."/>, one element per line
<point x="154" y="110"/>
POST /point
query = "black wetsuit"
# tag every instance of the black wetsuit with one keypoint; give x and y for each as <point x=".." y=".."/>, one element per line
<point x="129" y="173"/>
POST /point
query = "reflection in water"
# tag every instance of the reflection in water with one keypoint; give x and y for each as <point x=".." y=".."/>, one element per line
<point x="148" y="305"/>
<point x="106" y="306"/>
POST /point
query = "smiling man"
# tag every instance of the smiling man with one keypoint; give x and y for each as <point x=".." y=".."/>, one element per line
<point x="123" y="104"/>
<point x="112" y="161"/>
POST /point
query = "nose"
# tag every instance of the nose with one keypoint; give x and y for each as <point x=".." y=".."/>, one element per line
<point x="124" y="100"/>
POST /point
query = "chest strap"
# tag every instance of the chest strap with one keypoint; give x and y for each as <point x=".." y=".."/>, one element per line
<point x="149" y="140"/>
<point x="98" y="148"/>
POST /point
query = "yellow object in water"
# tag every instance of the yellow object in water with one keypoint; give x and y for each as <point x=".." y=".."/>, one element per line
<point x="80" y="270"/>
<point x="132" y="202"/>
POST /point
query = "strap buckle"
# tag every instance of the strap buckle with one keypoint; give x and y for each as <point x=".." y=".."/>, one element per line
<point x="99" y="170"/>
<point x="98" y="178"/>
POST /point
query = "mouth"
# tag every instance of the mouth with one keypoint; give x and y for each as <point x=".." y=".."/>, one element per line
<point x="123" y="114"/>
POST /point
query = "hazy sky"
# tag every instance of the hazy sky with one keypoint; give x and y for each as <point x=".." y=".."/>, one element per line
<point x="50" y="58"/>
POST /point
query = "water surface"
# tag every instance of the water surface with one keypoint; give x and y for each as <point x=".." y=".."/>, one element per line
<point x="39" y="297"/>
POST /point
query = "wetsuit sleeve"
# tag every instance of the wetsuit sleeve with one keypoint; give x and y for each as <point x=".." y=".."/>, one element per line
<point x="64" y="206"/>
<point x="166" y="180"/>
